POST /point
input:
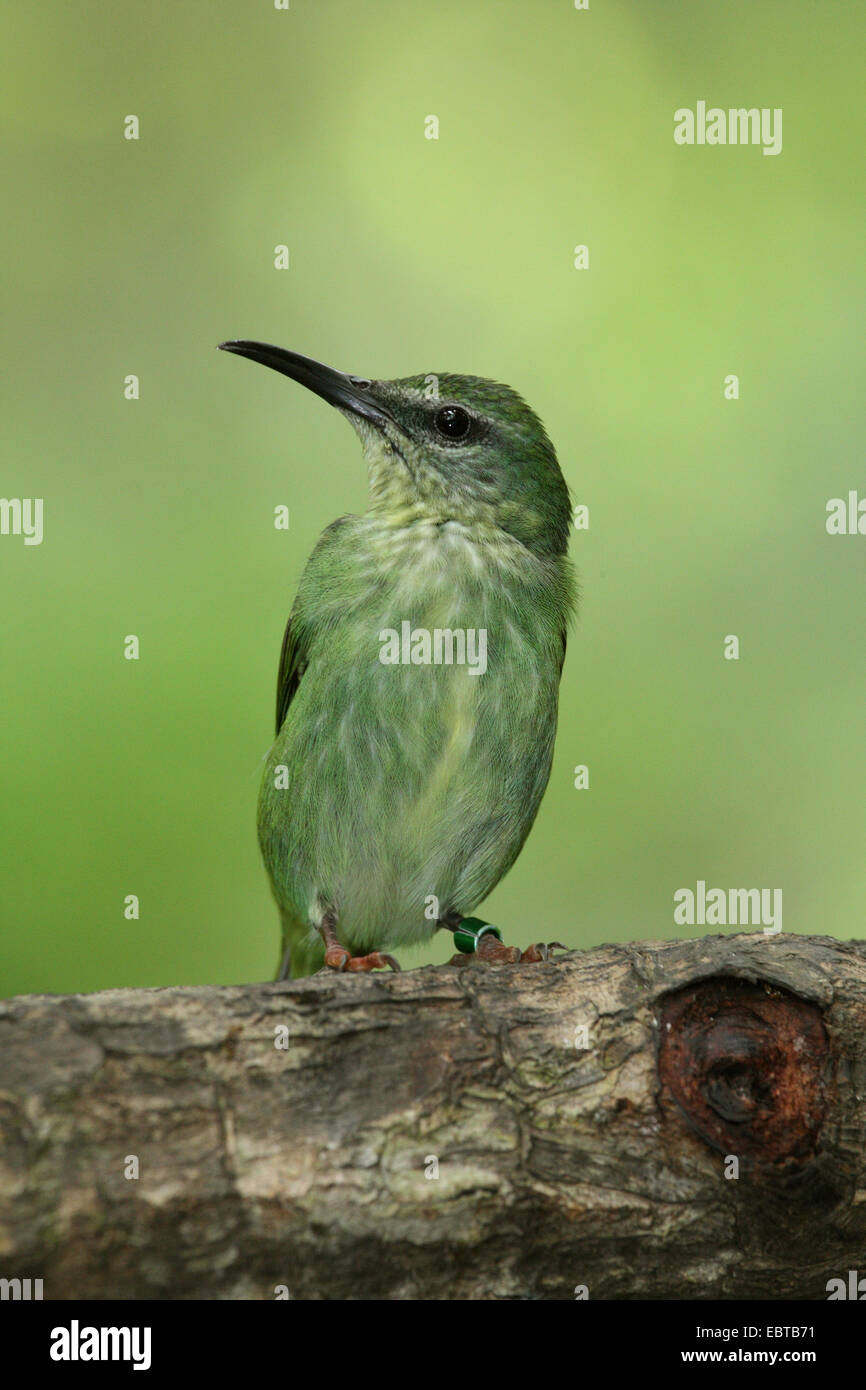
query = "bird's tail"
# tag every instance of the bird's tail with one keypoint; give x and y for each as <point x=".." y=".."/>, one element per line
<point x="300" y="954"/>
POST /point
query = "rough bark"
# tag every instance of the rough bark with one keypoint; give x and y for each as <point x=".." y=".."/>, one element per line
<point x="565" y="1159"/>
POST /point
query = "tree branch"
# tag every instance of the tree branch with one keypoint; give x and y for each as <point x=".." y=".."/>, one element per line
<point x="582" y="1116"/>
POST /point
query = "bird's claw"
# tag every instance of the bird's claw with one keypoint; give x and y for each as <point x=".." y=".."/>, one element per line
<point x="542" y="950"/>
<point x="494" y="952"/>
<point x="340" y="960"/>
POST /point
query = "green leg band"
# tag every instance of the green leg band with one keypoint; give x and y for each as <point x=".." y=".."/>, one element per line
<point x="470" y="932"/>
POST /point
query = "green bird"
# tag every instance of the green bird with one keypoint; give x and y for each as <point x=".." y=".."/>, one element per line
<point x="419" y="675"/>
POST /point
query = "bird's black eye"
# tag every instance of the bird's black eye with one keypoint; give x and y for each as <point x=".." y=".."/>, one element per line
<point x="453" y="422"/>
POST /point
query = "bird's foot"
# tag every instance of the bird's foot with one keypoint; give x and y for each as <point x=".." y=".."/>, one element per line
<point x="339" y="959"/>
<point x="494" y="952"/>
<point x="542" y="950"/>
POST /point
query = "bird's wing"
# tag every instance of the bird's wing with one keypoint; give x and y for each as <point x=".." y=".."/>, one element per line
<point x="293" y="664"/>
<point x="301" y="626"/>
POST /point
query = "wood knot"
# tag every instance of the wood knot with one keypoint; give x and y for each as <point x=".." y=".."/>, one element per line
<point x="747" y="1064"/>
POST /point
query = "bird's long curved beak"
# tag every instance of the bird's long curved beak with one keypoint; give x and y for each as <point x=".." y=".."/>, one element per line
<point x="337" y="388"/>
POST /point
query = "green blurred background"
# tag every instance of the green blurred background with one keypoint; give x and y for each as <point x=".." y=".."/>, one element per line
<point x="707" y="516"/>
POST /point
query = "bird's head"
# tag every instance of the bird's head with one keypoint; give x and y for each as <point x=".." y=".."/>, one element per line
<point x="445" y="447"/>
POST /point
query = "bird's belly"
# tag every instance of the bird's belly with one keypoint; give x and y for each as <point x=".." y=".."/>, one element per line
<point x="396" y="793"/>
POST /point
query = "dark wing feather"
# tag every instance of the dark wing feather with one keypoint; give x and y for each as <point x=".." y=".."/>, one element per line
<point x="564" y="636"/>
<point x="293" y="664"/>
<point x="298" y="636"/>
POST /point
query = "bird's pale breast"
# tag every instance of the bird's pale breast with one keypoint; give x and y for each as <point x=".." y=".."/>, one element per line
<point x="409" y="785"/>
